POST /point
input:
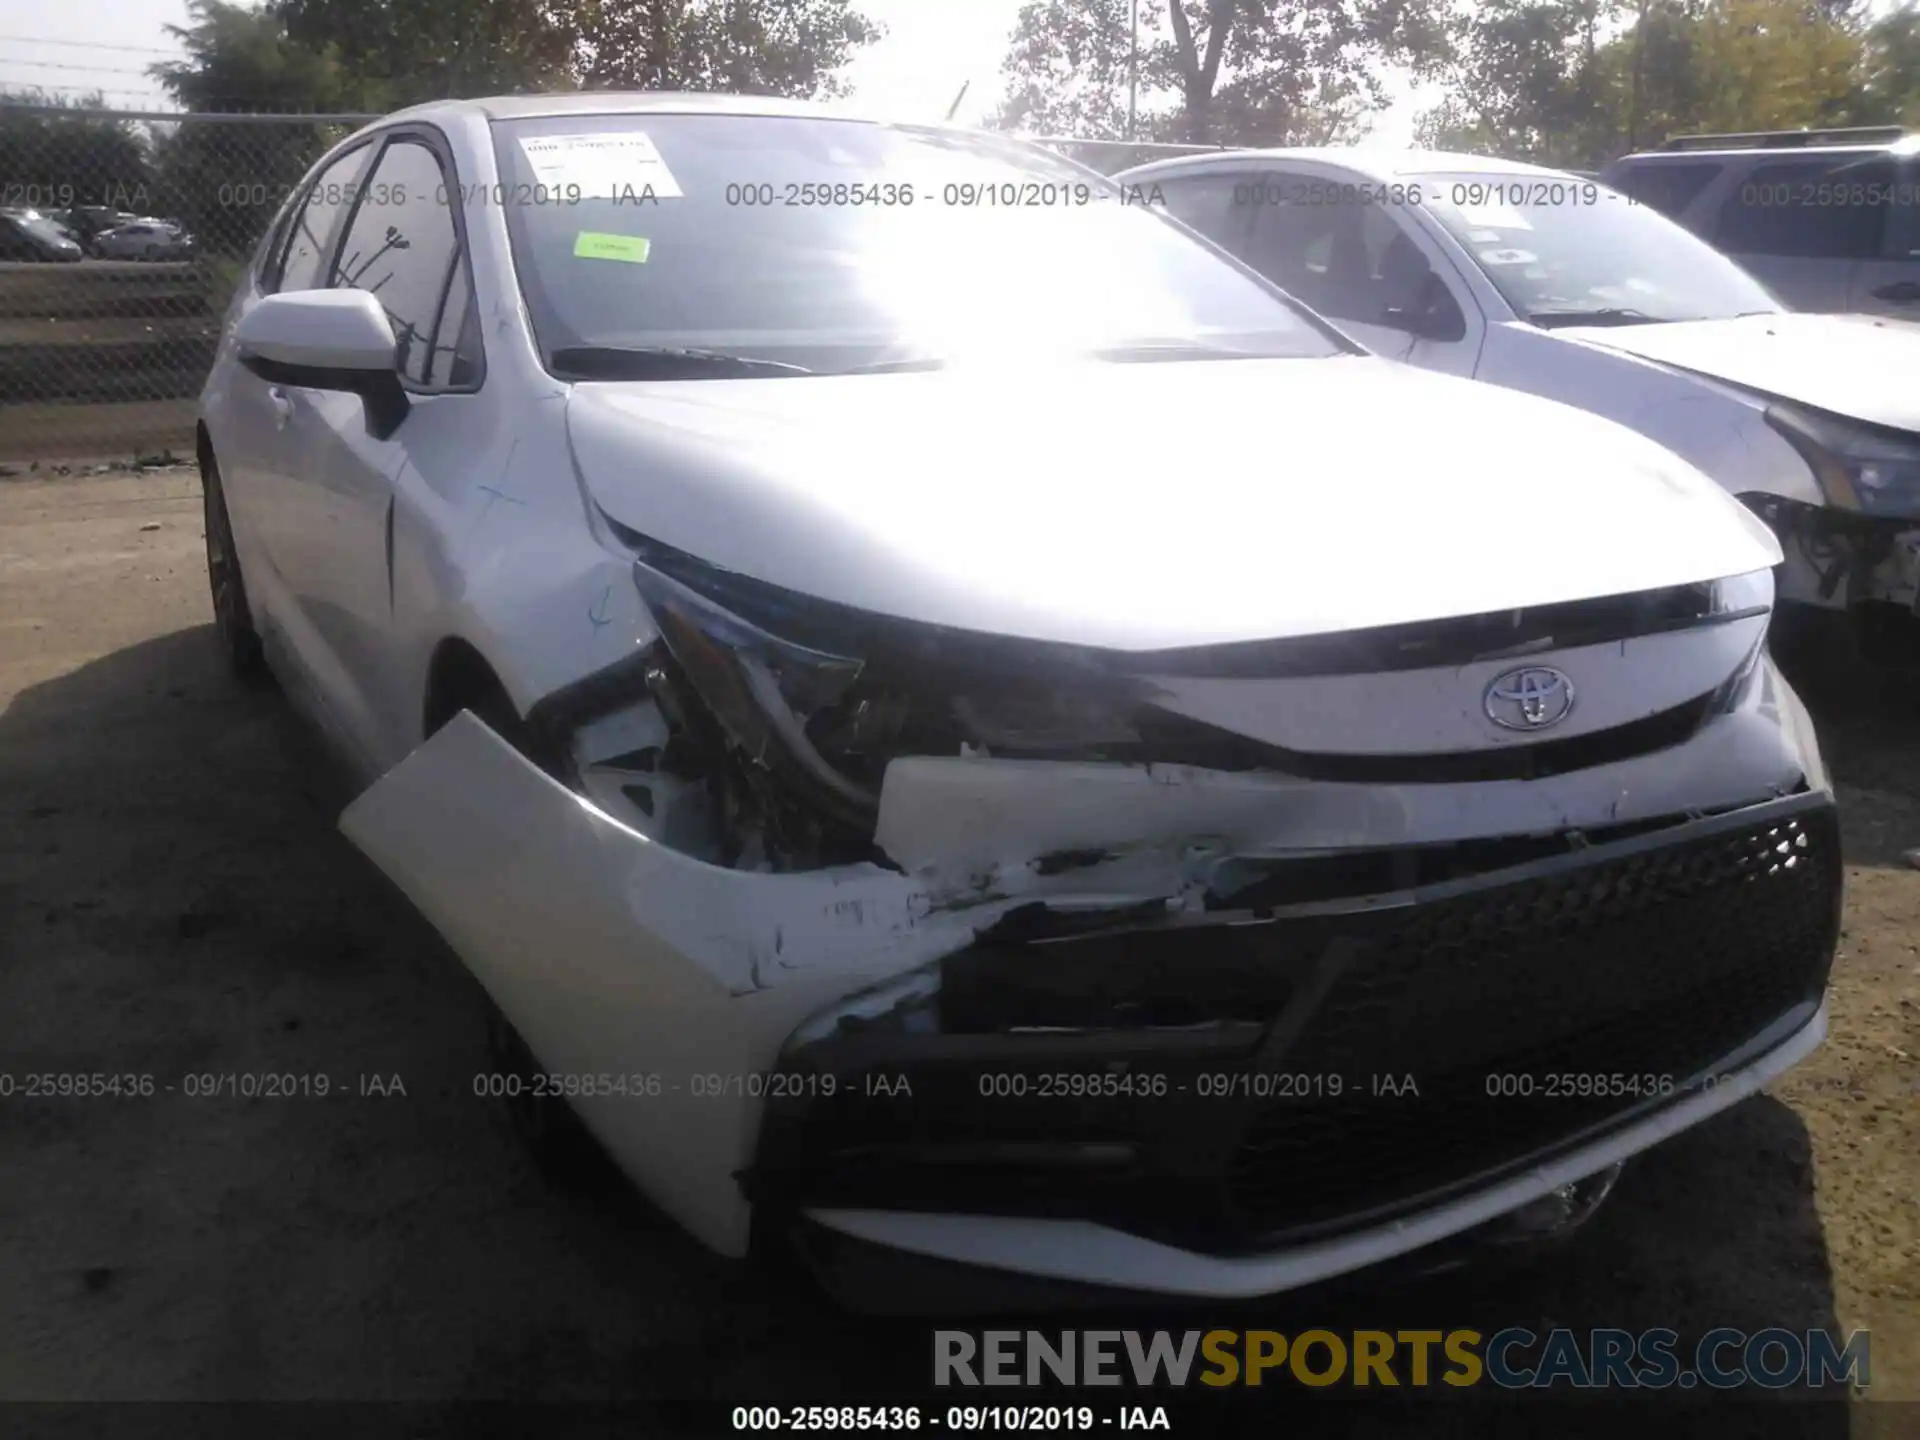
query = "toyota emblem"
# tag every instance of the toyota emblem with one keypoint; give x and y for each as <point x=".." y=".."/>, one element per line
<point x="1533" y="698"/>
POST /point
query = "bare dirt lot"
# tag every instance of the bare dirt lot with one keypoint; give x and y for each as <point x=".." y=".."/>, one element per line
<point x="175" y="901"/>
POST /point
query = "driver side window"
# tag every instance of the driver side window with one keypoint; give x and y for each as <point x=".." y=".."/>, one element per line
<point x="1348" y="259"/>
<point x="403" y="246"/>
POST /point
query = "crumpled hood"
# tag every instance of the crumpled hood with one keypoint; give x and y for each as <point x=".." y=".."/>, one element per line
<point x="1864" y="367"/>
<point x="1156" y="505"/>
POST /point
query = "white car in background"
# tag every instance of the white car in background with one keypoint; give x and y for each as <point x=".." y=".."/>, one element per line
<point x="144" y="240"/>
<point x="990" y="734"/>
<point x="1547" y="282"/>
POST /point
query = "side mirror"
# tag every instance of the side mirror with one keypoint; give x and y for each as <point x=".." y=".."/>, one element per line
<point x="328" y="340"/>
<point x="1432" y="315"/>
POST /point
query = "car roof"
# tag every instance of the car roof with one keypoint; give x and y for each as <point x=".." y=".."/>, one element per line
<point x="1378" y="163"/>
<point x="620" y="102"/>
<point x="1910" y="145"/>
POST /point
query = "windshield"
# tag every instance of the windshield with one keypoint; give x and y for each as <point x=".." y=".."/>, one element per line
<point x="832" y="245"/>
<point x="1568" y="251"/>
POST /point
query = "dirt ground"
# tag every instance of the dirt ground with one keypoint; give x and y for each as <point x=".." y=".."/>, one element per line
<point x="174" y="901"/>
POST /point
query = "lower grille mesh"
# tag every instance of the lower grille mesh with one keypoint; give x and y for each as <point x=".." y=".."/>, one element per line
<point x="1637" y="967"/>
<point x="1497" y="1002"/>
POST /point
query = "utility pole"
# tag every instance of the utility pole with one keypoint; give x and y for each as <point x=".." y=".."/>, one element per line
<point x="1133" y="69"/>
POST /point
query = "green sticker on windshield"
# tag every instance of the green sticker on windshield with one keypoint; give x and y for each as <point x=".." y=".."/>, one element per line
<point x="596" y="245"/>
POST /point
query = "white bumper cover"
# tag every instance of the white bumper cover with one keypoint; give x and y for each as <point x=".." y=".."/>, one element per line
<point x="1090" y="1254"/>
<point x="617" y="956"/>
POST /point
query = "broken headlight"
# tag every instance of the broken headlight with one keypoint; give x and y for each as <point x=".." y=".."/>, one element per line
<point x="1864" y="468"/>
<point x="829" y="696"/>
<point x="759" y="687"/>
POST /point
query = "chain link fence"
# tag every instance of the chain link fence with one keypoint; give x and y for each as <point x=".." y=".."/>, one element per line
<point x="122" y="235"/>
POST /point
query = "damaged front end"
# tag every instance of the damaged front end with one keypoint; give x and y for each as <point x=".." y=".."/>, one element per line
<point x="1857" y="555"/>
<point x="1216" y="955"/>
<point x="760" y="726"/>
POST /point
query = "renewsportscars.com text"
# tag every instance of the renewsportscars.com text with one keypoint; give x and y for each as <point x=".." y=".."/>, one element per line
<point x="1513" y="1358"/>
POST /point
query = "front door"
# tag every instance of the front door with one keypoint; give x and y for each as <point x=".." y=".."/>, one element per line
<point x="402" y="243"/>
<point x="1332" y="242"/>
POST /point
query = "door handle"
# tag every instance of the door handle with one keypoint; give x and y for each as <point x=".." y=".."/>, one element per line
<point x="1904" y="292"/>
<point x="282" y="405"/>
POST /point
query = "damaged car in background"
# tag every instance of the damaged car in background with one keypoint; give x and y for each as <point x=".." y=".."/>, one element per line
<point x="991" y="740"/>
<point x="1550" y="283"/>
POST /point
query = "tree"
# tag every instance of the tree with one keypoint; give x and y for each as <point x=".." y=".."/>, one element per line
<point x="224" y="181"/>
<point x="767" y="47"/>
<point x="1211" y="70"/>
<point x="1066" y="68"/>
<point x="1529" y="83"/>
<point x="328" y="56"/>
<point x="404" y="51"/>
<point x="51" y="161"/>
<point x="1535" y="81"/>
<point x="1890" y="91"/>
<point x="379" y="55"/>
<point x="241" y="58"/>
<point x="1759" y="65"/>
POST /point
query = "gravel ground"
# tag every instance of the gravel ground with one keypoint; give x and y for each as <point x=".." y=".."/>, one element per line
<point x="174" y="900"/>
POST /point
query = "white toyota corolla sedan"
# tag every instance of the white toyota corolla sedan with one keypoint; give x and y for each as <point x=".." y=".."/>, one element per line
<point x="959" y="726"/>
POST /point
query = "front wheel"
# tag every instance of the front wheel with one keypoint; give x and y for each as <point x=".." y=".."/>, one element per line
<point x="232" y="615"/>
<point x="562" y="1147"/>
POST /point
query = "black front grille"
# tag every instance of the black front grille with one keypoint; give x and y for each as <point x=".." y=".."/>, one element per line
<point x="1647" y="961"/>
<point x="1505" y="1005"/>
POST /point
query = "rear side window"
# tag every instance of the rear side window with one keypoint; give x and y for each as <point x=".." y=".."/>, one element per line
<point x="1668" y="188"/>
<point x="311" y="223"/>
<point x="1828" y="209"/>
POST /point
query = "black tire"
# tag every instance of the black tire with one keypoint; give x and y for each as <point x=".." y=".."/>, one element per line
<point x="563" y="1149"/>
<point x="232" y="615"/>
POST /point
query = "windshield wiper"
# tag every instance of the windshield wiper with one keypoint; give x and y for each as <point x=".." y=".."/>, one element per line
<point x="1606" y="315"/>
<point x="1135" y="352"/>
<point x="661" y="362"/>
<point x="1145" y="351"/>
<point x="898" y="366"/>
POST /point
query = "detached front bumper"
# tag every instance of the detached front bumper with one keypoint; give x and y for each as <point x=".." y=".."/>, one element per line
<point x="1313" y="1087"/>
<point x="688" y="1005"/>
<point x="1089" y="1257"/>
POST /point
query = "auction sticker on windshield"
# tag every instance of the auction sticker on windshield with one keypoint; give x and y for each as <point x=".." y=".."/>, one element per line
<point x="615" y="165"/>
<point x="593" y="245"/>
<point x="1493" y="217"/>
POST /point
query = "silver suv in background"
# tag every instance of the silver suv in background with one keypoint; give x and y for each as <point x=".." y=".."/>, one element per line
<point x="1828" y="219"/>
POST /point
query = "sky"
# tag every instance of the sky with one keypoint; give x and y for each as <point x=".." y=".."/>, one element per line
<point x="931" y="49"/>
